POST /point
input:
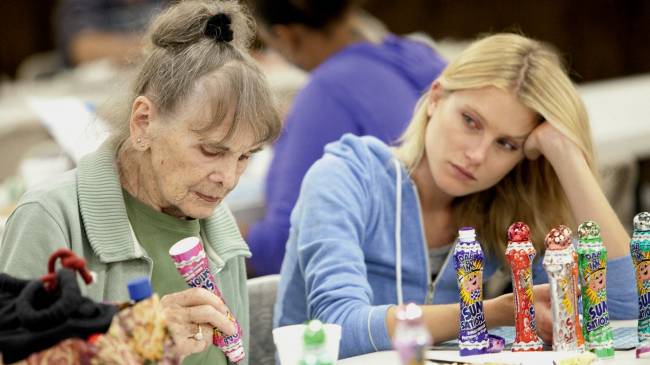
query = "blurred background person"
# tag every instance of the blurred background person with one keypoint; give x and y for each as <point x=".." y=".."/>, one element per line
<point x="356" y="86"/>
<point x="89" y="30"/>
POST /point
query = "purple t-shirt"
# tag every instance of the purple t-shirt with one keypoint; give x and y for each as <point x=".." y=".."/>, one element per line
<point x="364" y="89"/>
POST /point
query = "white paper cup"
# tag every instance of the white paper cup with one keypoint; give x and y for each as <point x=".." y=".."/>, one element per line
<point x="288" y="342"/>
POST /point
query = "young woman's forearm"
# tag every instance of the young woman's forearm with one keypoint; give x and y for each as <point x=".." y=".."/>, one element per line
<point x="588" y="202"/>
<point x="442" y="320"/>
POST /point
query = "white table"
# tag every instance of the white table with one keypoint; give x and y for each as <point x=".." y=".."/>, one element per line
<point x="528" y="358"/>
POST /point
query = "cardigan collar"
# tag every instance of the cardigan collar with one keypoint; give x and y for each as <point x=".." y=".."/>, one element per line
<point x="106" y="223"/>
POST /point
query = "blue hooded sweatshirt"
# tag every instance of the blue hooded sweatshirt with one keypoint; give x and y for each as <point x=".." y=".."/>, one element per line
<point x="364" y="89"/>
<point x="341" y="258"/>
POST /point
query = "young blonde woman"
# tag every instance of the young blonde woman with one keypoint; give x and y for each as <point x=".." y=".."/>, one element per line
<point x="500" y="136"/>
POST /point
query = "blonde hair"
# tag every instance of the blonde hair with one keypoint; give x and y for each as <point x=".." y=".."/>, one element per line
<point x="531" y="192"/>
<point x="178" y="53"/>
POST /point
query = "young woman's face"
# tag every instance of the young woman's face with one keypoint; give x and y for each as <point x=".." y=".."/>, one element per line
<point x="475" y="137"/>
<point x="194" y="170"/>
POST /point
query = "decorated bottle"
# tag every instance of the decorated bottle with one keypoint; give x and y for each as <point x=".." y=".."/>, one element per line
<point x="640" y="251"/>
<point x="468" y="262"/>
<point x="561" y="266"/>
<point x="592" y="262"/>
<point x="520" y="254"/>
<point x="192" y="263"/>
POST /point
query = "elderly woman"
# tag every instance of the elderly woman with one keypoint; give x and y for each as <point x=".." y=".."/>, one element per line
<point x="199" y="109"/>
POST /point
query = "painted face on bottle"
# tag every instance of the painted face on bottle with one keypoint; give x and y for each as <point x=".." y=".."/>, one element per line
<point x="472" y="281"/>
<point x="643" y="270"/>
<point x="597" y="280"/>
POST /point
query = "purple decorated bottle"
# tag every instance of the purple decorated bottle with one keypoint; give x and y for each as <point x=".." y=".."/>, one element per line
<point x="468" y="262"/>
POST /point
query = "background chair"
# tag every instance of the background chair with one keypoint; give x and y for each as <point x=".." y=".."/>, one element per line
<point x="262" y="292"/>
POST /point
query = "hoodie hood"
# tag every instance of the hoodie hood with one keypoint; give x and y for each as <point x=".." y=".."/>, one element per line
<point x="363" y="154"/>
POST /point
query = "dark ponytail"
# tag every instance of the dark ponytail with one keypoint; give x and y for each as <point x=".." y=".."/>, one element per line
<point x="312" y="13"/>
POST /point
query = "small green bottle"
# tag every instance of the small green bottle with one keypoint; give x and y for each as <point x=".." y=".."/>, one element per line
<point x="314" y="343"/>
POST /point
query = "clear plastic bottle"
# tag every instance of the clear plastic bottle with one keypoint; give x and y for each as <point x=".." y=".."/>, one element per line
<point x="315" y="345"/>
<point x="411" y="337"/>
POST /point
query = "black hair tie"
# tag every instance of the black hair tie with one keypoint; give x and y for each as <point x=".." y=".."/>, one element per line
<point x="218" y="28"/>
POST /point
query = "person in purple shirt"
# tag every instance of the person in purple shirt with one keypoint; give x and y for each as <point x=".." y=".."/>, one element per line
<point x="356" y="86"/>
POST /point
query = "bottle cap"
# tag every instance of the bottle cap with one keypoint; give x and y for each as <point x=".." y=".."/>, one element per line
<point x="589" y="230"/>
<point x="519" y="232"/>
<point x="139" y="289"/>
<point x="314" y="335"/>
<point x="466" y="234"/>
<point x="410" y="312"/>
<point x="558" y="238"/>
<point x="642" y="221"/>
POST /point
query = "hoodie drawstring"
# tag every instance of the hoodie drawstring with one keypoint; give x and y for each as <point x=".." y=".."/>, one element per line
<point x="398" y="232"/>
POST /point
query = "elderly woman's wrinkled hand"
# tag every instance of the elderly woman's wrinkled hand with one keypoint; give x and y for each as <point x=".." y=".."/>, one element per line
<point x="191" y="316"/>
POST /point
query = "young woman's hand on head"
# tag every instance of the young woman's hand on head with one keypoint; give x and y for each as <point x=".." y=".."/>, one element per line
<point x="549" y="141"/>
<point x="191" y="309"/>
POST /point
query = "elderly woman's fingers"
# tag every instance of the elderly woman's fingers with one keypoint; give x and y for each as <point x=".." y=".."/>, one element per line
<point x="184" y="324"/>
<point x="200" y="335"/>
<point x="203" y="314"/>
<point x="193" y="297"/>
<point x="190" y="338"/>
<point x="187" y="310"/>
<point x="208" y="315"/>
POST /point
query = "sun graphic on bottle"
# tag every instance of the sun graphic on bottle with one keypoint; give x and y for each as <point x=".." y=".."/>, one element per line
<point x="526" y="283"/>
<point x="471" y="283"/>
<point x="567" y="301"/>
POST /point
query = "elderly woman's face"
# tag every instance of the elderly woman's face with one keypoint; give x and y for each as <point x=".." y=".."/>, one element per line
<point x="193" y="168"/>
